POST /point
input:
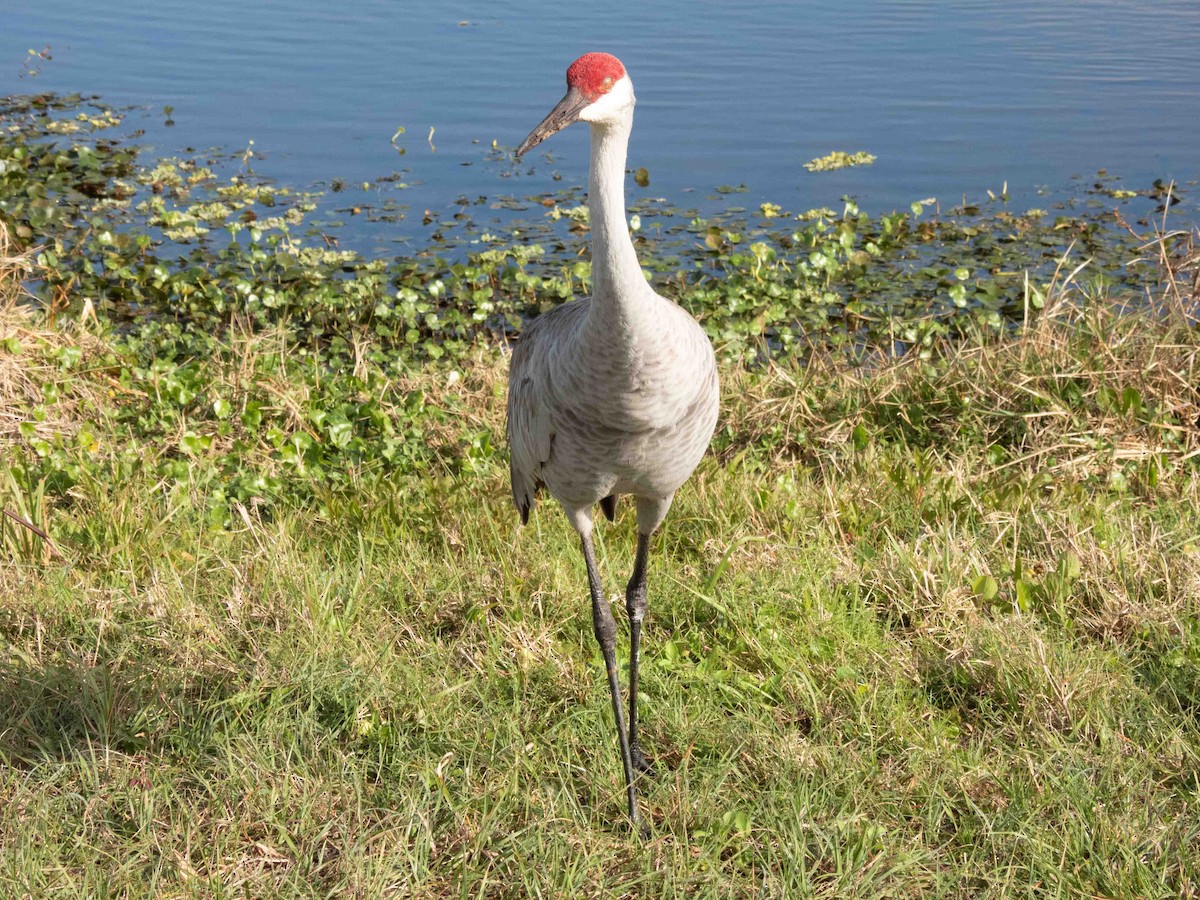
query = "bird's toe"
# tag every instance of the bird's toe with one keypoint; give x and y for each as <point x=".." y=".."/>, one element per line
<point x="640" y="763"/>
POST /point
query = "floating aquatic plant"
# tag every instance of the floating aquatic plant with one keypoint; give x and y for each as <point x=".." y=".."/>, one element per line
<point x="839" y="159"/>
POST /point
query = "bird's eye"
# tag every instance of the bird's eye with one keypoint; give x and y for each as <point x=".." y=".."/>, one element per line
<point x="607" y="82"/>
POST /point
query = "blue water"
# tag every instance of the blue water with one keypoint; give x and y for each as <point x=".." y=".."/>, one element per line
<point x="954" y="98"/>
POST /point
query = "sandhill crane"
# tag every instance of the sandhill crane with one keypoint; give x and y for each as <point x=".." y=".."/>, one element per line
<point x="613" y="394"/>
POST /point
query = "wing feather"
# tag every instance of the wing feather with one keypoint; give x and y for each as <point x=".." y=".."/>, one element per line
<point x="530" y="429"/>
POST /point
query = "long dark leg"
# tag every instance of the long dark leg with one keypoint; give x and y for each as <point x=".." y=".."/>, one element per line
<point x="606" y="634"/>
<point x="635" y="605"/>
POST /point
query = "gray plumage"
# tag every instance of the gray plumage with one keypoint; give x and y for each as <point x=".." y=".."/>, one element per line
<point x="592" y="414"/>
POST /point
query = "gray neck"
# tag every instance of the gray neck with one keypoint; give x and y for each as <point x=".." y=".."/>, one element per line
<point x="616" y="275"/>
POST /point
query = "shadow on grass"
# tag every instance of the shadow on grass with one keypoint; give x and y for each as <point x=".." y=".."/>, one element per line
<point x="62" y="709"/>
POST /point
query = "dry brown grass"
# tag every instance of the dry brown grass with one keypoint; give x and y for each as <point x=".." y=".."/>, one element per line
<point x="1089" y="383"/>
<point x="29" y="346"/>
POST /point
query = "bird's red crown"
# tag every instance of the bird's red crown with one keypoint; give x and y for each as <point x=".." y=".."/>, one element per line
<point x="594" y="74"/>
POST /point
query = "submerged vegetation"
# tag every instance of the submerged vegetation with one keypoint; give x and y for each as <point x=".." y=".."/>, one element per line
<point x="926" y="622"/>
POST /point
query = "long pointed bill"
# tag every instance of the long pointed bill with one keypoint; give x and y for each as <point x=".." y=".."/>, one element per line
<point x="566" y="112"/>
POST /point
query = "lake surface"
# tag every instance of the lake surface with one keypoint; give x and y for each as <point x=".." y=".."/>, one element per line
<point x="954" y="98"/>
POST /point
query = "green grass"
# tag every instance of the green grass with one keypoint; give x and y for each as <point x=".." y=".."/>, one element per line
<point x="929" y="628"/>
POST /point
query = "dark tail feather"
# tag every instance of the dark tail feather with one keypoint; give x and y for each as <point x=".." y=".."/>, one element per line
<point x="609" y="505"/>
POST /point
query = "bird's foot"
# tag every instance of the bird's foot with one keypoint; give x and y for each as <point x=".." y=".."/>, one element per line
<point x="640" y="763"/>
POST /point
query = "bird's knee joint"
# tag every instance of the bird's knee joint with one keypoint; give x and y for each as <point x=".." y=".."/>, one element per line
<point x="635" y="603"/>
<point x="605" y="625"/>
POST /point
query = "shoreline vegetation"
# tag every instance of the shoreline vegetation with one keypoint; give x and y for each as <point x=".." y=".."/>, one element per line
<point x="926" y="622"/>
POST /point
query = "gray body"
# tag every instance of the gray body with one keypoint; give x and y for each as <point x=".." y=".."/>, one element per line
<point x="594" y="413"/>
